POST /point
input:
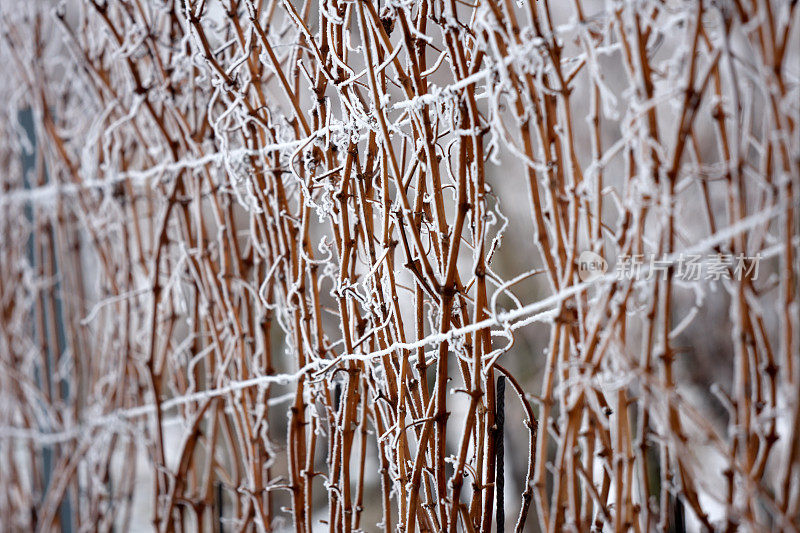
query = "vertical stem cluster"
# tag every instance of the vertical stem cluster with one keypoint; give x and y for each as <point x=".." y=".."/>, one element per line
<point x="253" y="258"/>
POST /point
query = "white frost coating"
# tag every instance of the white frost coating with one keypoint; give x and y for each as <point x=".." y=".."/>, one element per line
<point x="221" y="193"/>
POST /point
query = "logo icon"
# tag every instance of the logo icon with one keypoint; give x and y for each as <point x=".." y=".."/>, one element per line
<point x="591" y="266"/>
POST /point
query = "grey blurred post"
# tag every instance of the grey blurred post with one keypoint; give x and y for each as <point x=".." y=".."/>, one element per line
<point x="500" y="516"/>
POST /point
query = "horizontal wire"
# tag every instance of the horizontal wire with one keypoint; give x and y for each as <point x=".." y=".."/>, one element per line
<point x="48" y="193"/>
<point x="514" y="319"/>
